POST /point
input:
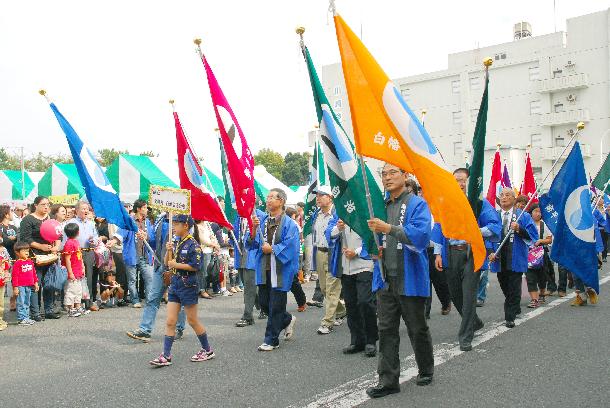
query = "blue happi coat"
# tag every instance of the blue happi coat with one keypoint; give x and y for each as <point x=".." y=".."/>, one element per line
<point x="243" y="235"/>
<point x="490" y="225"/>
<point x="285" y="255"/>
<point x="417" y="226"/>
<point x="335" y="250"/>
<point x="520" y="245"/>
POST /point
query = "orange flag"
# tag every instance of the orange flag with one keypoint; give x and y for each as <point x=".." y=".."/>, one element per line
<point x="385" y="128"/>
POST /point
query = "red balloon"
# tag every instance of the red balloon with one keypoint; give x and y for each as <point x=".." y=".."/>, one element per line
<point x="50" y="230"/>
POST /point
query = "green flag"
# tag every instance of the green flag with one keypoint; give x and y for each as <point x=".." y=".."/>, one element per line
<point x="343" y="171"/>
<point x="475" y="183"/>
<point x="603" y="175"/>
<point x="230" y="209"/>
<point x="316" y="173"/>
<point x="261" y="196"/>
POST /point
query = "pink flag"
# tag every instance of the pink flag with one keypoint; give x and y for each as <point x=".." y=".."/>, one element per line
<point x="495" y="184"/>
<point x="528" y="187"/>
<point x="239" y="158"/>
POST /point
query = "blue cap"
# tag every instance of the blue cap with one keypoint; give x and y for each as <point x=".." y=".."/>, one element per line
<point x="184" y="218"/>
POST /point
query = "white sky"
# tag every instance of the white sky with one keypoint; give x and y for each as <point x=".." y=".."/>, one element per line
<point x="111" y="66"/>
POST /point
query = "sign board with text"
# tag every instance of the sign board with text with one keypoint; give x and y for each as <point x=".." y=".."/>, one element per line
<point x="66" y="199"/>
<point x="169" y="199"/>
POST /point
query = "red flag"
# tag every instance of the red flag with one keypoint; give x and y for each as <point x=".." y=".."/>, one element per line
<point x="239" y="158"/>
<point x="495" y="183"/>
<point x="528" y="187"/>
<point x="203" y="202"/>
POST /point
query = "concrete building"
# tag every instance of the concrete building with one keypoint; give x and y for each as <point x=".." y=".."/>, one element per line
<point x="540" y="87"/>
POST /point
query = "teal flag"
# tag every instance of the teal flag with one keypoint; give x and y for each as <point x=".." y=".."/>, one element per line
<point x="343" y="170"/>
<point x="316" y="173"/>
<point x="230" y="207"/>
<point x="475" y="183"/>
<point x="603" y="175"/>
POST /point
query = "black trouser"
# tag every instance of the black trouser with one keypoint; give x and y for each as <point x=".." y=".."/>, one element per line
<point x="278" y="318"/>
<point x="562" y="281"/>
<point x="391" y="306"/>
<point x="121" y="272"/>
<point x="536" y="279"/>
<point x="297" y="291"/>
<point x="318" y="296"/>
<point x="463" y="284"/>
<point x="360" y="306"/>
<point x="439" y="281"/>
<point x="510" y="283"/>
<point x="605" y="241"/>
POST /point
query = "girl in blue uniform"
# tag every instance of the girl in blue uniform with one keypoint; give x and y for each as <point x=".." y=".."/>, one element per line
<point x="183" y="291"/>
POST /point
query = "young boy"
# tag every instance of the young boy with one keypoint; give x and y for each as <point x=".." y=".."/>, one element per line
<point x="110" y="289"/>
<point x="4" y="278"/>
<point x="24" y="281"/>
<point x="72" y="259"/>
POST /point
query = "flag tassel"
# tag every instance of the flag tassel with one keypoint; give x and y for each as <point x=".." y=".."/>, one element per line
<point x="579" y="127"/>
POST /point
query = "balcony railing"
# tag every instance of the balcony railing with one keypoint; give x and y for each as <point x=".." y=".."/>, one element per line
<point x="562" y="83"/>
<point x="565" y="117"/>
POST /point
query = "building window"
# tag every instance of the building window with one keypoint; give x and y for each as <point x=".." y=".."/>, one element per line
<point x="560" y="141"/>
<point x="406" y="93"/>
<point x="455" y="86"/>
<point x="500" y="56"/>
<point x="457" y="148"/>
<point x="475" y="83"/>
<point x="473" y="115"/>
<point x="338" y="104"/>
<point x="535" y="108"/>
<point x="557" y="73"/>
<point x="536" y="140"/>
<point x="457" y="117"/>
<point x="337" y="90"/>
<point x="534" y="73"/>
<point x="559" y="108"/>
<point x="537" y="172"/>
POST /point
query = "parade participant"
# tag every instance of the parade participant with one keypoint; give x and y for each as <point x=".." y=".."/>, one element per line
<point x="511" y="261"/>
<point x="87" y="238"/>
<point x="536" y="275"/>
<point x="439" y="281"/>
<point x="462" y="279"/>
<point x="245" y="262"/>
<point x="350" y="260"/>
<point x="158" y="287"/>
<point x="521" y="202"/>
<point x="275" y="241"/>
<point x="29" y="233"/>
<point x="25" y="282"/>
<point x="406" y="286"/>
<point x="296" y="288"/>
<point x="330" y="286"/>
<point x="600" y="216"/>
<point x="183" y="291"/>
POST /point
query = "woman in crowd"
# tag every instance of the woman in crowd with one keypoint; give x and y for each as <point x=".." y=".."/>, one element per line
<point x="58" y="213"/>
<point x="209" y="245"/>
<point x="536" y="274"/>
<point x="8" y="233"/>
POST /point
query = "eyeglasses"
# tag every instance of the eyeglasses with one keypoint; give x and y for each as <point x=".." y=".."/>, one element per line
<point x="273" y="198"/>
<point x="47" y="204"/>
<point x="390" y="173"/>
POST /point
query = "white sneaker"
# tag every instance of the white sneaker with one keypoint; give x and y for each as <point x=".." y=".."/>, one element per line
<point x="267" y="347"/>
<point x="74" y="313"/>
<point x="26" y="322"/>
<point x="290" y="329"/>
<point x="324" y="330"/>
<point x="137" y="305"/>
<point x="338" y="322"/>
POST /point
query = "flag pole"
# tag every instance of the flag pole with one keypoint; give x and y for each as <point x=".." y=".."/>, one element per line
<point x="579" y="127"/>
<point x="601" y="196"/>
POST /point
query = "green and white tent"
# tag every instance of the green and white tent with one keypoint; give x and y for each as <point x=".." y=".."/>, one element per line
<point x="131" y="176"/>
<point x="60" y="179"/>
<point x="11" y="185"/>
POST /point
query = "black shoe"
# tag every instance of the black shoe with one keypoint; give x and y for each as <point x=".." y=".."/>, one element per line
<point x="510" y="324"/>
<point x="353" y="349"/>
<point x="479" y="326"/>
<point x="315" y="303"/>
<point x="179" y="334"/>
<point x="370" y="350"/>
<point x="139" y="335"/>
<point x="480" y="303"/>
<point x="37" y="318"/>
<point x="423" y="379"/>
<point x="121" y="304"/>
<point x="262" y="315"/>
<point x="52" y="315"/>
<point x="244" y="323"/>
<point x="380" y="391"/>
<point x="466" y="347"/>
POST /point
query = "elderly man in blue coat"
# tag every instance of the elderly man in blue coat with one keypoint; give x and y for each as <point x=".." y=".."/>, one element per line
<point x="456" y="257"/>
<point x="510" y="262"/>
<point x="404" y="285"/>
<point x="276" y="243"/>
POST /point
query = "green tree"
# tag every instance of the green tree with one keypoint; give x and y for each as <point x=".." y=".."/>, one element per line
<point x="272" y="160"/>
<point x="42" y="162"/>
<point x="149" y="153"/>
<point x="296" y="169"/>
<point x="9" y="161"/>
<point x="106" y="156"/>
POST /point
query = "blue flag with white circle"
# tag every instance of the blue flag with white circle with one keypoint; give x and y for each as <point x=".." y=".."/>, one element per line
<point x="566" y="210"/>
<point x="100" y="193"/>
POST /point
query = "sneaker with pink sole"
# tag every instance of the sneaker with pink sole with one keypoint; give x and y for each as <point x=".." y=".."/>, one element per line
<point x="203" y="355"/>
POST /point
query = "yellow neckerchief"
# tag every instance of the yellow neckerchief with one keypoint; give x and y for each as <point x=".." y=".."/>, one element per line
<point x="182" y="242"/>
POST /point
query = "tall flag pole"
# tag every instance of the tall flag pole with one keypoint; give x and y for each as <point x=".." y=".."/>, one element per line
<point x="386" y="128"/>
<point x="356" y="195"/>
<point x="203" y="201"/>
<point x="475" y="182"/>
<point x="580" y="126"/>
<point x="495" y="182"/>
<point x="100" y="193"/>
<point x="240" y="163"/>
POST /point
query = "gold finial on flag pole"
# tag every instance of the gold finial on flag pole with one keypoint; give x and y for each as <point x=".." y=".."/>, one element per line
<point x="172" y="102"/>
<point x="487" y="62"/>
<point x="44" y="93"/>
<point x="300" y="31"/>
<point x="331" y="7"/>
<point x="580" y="125"/>
<point x="197" y="42"/>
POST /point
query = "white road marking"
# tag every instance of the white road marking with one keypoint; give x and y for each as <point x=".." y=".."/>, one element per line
<point x="353" y="392"/>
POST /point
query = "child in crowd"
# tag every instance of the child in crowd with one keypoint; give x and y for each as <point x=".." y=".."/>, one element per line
<point x="72" y="259"/>
<point x="110" y="290"/>
<point x="24" y="281"/>
<point x="4" y="279"/>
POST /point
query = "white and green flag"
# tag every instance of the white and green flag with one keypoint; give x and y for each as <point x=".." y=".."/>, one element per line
<point x="343" y="171"/>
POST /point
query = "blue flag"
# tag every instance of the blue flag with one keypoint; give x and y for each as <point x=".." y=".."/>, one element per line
<point x="566" y="210"/>
<point x="99" y="191"/>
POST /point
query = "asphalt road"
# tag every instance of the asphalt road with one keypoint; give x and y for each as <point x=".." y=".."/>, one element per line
<point x="555" y="357"/>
